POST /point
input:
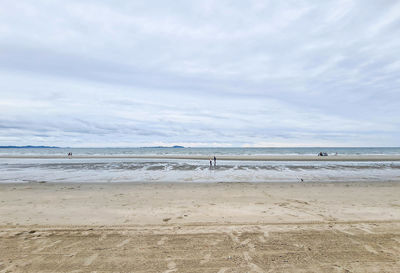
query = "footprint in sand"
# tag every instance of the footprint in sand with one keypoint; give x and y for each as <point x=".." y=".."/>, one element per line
<point x="206" y="259"/>
<point x="8" y="268"/>
<point x="90" y="260"/>
<point x="365" y="229"/>
<point x="72" y="254"/>
<point x="252" y="248"/>
<point x="354" y="241"/>
<point x="247" y="256"/>
<point x="124" y="242"/>
<point x="171" y="267"/>
<point x="216" y="242"/>
<point x="248" y="244"/>
<point x="261" y="239"/>
<point x="370" y="249"/>
<point x="102" y="237"/>
<point x="234" y="237"/>
<point x="71" y="245"/>
<point x="47" y="246"/>
<point x="256" y="268"/>
<point x="253" y="267"/>
<point x="344" y="231"/>
<point x="162" y="241"/>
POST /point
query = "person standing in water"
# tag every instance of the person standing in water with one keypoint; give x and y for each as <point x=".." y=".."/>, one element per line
<point x="215" y="161"/>
<point x="210" y="163"/>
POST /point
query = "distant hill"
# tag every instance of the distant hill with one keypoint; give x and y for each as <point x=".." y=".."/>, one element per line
<point x="175" y="146"/>
<point x="29" y="146"/>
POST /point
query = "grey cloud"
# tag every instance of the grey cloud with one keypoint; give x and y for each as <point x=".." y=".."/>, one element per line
<point x="236" y="72"/>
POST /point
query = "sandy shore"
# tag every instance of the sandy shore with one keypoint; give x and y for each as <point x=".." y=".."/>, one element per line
<point x="226" y="157"/>
<point x="209" y="227"/>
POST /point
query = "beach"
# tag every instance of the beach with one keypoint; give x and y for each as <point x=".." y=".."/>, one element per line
<point x="200" y="227"/>
<point x="199" y="136"/>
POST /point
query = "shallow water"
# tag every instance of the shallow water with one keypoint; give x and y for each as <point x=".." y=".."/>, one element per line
<point x="179" y="170"/>
<point x="202" y="151"/>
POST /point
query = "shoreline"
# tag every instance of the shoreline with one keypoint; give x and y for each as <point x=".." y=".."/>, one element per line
<point x="355" y="158"/>
<point x="359" y="183"/>
<point x="278" y="184"/>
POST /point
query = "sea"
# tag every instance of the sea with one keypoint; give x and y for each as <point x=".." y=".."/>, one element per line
<point x="109" y="170"/>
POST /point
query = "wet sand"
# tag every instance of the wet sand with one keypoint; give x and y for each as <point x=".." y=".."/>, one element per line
<point x="200" y="227"/>
<point x="355" y="158"/>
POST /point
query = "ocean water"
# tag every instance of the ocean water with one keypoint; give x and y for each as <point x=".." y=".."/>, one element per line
<point x="202" y="151"/>
<point x="183" y="170"/>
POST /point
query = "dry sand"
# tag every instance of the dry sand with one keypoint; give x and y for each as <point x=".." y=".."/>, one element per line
<point x="209" y="227"/>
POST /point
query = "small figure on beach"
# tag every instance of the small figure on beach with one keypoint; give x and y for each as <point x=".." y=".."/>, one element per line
<point x="215" y="161"/>
<point x="69" y="154"/>
<point x="210" y="163"/>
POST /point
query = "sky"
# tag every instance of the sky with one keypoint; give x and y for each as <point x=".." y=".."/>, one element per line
<point x="200" y="73"/>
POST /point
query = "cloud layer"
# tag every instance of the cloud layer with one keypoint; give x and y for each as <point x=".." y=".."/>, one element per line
<point x="200" y="73"/>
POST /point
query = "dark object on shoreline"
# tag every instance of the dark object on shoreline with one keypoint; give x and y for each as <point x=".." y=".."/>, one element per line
<point x="29" y="146"/>
<point x="322" y="154"/>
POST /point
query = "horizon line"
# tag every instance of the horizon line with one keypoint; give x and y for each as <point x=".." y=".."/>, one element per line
<point x="182" y="147"/>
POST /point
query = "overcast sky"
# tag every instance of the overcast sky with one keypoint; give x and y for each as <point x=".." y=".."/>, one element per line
<point x="200" y="73"/>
